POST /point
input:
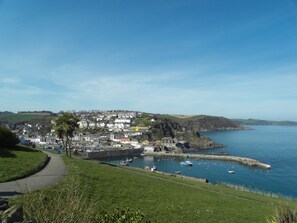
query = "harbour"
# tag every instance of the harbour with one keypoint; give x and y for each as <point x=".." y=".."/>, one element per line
<point x="272" y="145"/>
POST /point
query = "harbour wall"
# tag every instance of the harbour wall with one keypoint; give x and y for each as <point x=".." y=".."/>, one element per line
<point x="113" y="153"/>
<point x="242" y="160"/>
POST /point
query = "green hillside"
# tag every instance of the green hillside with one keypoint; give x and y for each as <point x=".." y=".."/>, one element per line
<point x="163" y="198"/>
<point x="12" y="118"/>
<point x="182" y="118"/>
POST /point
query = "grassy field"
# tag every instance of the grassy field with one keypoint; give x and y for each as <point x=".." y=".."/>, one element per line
<point x="16" y="118"/>
<point x="182" y="118"/>
<point x="19" y="162"/>
<point x="165" y="198"/>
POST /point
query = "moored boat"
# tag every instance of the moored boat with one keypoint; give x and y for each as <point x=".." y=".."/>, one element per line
<point x="153" y="168"/>
<point x="129" y="160"/>
<point x="124" y="163"/>
<point x="186" y="163"/>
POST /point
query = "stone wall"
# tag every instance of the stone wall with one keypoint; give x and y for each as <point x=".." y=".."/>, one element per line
<point x="113" y="153"/>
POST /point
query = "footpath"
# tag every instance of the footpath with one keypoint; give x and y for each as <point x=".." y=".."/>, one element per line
<point x="52" y="173"/>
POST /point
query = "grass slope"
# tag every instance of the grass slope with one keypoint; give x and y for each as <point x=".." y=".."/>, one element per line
<point x="16" y="118"/>
<point x="19" y="162"/>
<point x="182" y="118"/>
<point x="164" y="198"/>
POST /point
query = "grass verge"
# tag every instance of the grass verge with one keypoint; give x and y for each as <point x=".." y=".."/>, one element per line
<point x="163" y="198"/>
<point x="20" y="162"/>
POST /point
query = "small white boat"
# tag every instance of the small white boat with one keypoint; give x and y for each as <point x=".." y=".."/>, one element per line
<point x="129" y="160"/>
<point x="124" y="163"/>
<point x="231" y="171"/>
<point x="186" y="163"/>
<point x="142" y="154"/>
<point x="177" y="172"/>
<point x="153" y="168"/>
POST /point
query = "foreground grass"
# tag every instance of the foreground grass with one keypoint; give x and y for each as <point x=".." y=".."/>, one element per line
<point x="19" y="162"/>
<point x="164" y="198"/>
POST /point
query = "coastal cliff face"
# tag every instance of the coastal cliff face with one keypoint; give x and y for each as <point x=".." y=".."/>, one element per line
<point x="188" y="129"/>
<point x="209" y="123"/>
<point x="166" y="128"/>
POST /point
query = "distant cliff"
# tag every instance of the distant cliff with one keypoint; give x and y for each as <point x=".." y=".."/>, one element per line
<point x="209" y="123"/>
<point x="202" y="123"/>
<point x="263" y="122"/>
<point x="188" y="128"/>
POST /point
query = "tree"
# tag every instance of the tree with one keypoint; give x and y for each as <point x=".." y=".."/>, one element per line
<point x="7" y="138"/>
<point x="64" y="127"/>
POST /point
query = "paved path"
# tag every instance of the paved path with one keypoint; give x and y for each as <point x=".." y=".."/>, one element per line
<point x="52" y="173"/>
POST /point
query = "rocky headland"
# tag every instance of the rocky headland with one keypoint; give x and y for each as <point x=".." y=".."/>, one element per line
<point x="188" y="129"/>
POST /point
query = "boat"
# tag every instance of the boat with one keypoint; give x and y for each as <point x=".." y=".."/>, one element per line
<point x="231" y="171"/>
<point x="142" y="154"/>
<point x="186" y="163"/>
<point x="124" y="163"/>
<point x="153" y="168"/>
<point x="129" y="160"/>
<point x="177" y="172"/>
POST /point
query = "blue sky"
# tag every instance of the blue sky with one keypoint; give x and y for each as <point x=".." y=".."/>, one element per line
<point x="230" y="58"/>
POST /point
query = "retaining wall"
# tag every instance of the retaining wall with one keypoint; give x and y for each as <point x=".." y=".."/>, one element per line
<point x="113" y="153"/>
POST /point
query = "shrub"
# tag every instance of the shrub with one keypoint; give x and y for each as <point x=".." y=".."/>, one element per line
<point x="122" y="216"/>
<point x="7" y="138"/>
<point x="284" y="215"/>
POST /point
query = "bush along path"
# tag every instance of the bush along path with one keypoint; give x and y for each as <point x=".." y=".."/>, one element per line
<point x="52" y="173"/>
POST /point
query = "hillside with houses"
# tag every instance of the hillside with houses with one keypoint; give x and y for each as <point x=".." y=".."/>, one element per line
<point x="119" y="129"/>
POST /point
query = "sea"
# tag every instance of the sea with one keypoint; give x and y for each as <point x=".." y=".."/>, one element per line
<point x="274" y="145"/>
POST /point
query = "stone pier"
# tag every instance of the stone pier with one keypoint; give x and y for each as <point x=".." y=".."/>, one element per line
<point x="242" y="160"/>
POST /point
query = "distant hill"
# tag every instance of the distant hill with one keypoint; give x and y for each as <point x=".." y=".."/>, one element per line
<point x="202" y="123"/>
<point x="12" y="118"/>
<point x="263" y="122"/>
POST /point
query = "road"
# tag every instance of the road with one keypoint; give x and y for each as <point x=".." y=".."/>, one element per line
<point x="52" y="173"/>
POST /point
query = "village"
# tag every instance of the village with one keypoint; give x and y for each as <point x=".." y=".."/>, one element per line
<point x="103" y="131"/>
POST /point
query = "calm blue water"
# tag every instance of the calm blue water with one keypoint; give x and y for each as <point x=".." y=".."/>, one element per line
<point x="275" y="145"/>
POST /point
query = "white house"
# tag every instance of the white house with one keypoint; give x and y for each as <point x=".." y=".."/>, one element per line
<point x="135" y="133"/>
<point x="149" y="149"/>
<point x="101" y="124"/>
<point x="119" y="125"/>
<point x="83" y="124"/>
<point x="38" y="140"/>
<point x="112" y="138"/>
<point x="122" y="120"/>
<point x="92" y="124"/>
<point x="77" y="137"/>
<point x="134" y="142"/>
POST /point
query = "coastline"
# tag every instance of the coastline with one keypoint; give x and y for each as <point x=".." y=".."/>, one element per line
<point x="243" y="160"/>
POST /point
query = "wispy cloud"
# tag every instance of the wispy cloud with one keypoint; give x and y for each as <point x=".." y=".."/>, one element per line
<point x="10" y="80"/>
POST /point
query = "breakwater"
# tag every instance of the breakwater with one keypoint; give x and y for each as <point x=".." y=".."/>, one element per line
<point x="242" y="160"/>
<point x="113" y="153"/>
